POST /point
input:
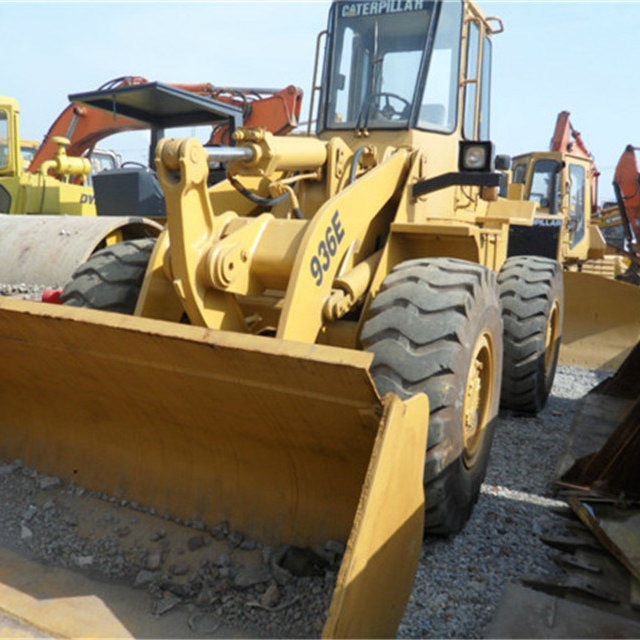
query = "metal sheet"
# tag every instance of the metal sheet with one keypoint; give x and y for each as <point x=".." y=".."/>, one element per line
<point x="160" y="105"/>
<point x="616" y="528"/>
<point x="595" y="420"/>
<point x="45" y="250"/>
<point x="601" y="321"/>
<point x="603" y="446"/>
<point x="524" y="613"/>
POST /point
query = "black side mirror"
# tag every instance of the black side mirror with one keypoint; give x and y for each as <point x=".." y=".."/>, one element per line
<point x="503" y="162"/>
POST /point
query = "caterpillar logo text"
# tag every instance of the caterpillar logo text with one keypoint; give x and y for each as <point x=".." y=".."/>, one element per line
<point x="547" y="222"/>
<point x="353" y="9"/>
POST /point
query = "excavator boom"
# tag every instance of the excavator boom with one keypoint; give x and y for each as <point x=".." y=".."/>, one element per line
<point x="626" y="182"/>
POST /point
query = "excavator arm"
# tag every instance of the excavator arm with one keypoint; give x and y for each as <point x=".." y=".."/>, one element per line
<point x="569" y="140"/>
<point x="84" y="126"/>
<point x="626" y="183"/>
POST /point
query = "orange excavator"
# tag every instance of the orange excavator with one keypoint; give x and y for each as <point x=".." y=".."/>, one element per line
<point x="626" y="185"/>
<point x="620" y="221"/>
<point x="277" y="110"/>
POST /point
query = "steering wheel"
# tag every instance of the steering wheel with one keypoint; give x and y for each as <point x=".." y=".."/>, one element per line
<point x="388" y="110"/>
<point x="133" y="163"/>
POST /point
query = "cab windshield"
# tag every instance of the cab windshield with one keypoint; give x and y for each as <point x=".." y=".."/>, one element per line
<point x="376" y="54"/>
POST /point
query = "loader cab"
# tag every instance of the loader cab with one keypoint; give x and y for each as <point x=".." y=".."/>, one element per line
<point x="560" y="183"/>
<point x="407" y="64"/>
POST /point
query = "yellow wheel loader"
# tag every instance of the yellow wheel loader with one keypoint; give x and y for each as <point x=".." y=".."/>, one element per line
<point x="274" y="349"/>
<point x="602" y="313"/>
<point x="365" y="237"/>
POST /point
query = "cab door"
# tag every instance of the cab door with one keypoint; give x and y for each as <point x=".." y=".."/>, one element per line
<point x="578" y="203"/>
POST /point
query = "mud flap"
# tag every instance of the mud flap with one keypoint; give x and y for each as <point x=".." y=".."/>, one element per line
<point x="289" y="442"/>
<point x="601" y="321"/>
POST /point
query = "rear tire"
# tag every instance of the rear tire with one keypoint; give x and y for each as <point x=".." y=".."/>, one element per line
<point x="532" y="300"/>
<point x="435" y="327"/>
<point x="111" y="279"/>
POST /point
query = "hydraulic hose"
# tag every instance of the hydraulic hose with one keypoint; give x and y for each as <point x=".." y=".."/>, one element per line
<point x="356" y="161"/>
<point x="265" y="202"/>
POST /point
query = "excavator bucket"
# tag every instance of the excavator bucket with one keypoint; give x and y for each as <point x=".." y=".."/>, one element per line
<point x="601" y="321"/>
<point x="289" y="442"/>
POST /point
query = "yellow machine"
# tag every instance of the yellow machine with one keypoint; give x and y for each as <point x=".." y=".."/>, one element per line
<point x="602" y="313"/>
<point x="24" y="192"/>
<point x="351" y="238"/>
<point x="45" y="249"/>
<point x="276" y="346"/>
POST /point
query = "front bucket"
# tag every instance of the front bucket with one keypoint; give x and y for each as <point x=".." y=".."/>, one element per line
<point x="289" y="442"/>
<point x="601" y="321"/>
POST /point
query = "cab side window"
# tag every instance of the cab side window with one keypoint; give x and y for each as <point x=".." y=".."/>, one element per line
<point x="471" y="88"/>
<point x="485" y="90"/>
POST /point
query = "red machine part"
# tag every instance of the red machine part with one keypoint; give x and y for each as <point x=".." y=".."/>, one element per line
<point x="277" y="111"/>
<point x="569" y="140"/>
<point x="626" y="182"/>
<point x="52" y="296"/>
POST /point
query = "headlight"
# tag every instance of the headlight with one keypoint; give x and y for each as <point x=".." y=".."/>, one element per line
<point x="476" y="156"/>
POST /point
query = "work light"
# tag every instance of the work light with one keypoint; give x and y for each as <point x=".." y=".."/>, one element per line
<point x="476" y="156"/>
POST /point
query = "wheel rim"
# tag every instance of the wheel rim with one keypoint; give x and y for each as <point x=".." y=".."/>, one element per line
<point x="553" y="334"/>
<point x="478" y="397"/>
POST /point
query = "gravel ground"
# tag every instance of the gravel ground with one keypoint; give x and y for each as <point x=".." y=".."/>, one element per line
<point x="225" y="580"/>
<point x="460" y="580"/>
<point x="227" y="583"/>
<point x="24" y="291"/>
<point x="220" y="576"/>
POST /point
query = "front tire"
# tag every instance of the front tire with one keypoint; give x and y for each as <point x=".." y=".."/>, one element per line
<point x="435" y="327"/>
<point x="531" y="295"/>
<point x="111" y="279"/>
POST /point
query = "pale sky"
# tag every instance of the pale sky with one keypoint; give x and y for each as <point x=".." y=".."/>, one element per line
<point x="578" y="56"/>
